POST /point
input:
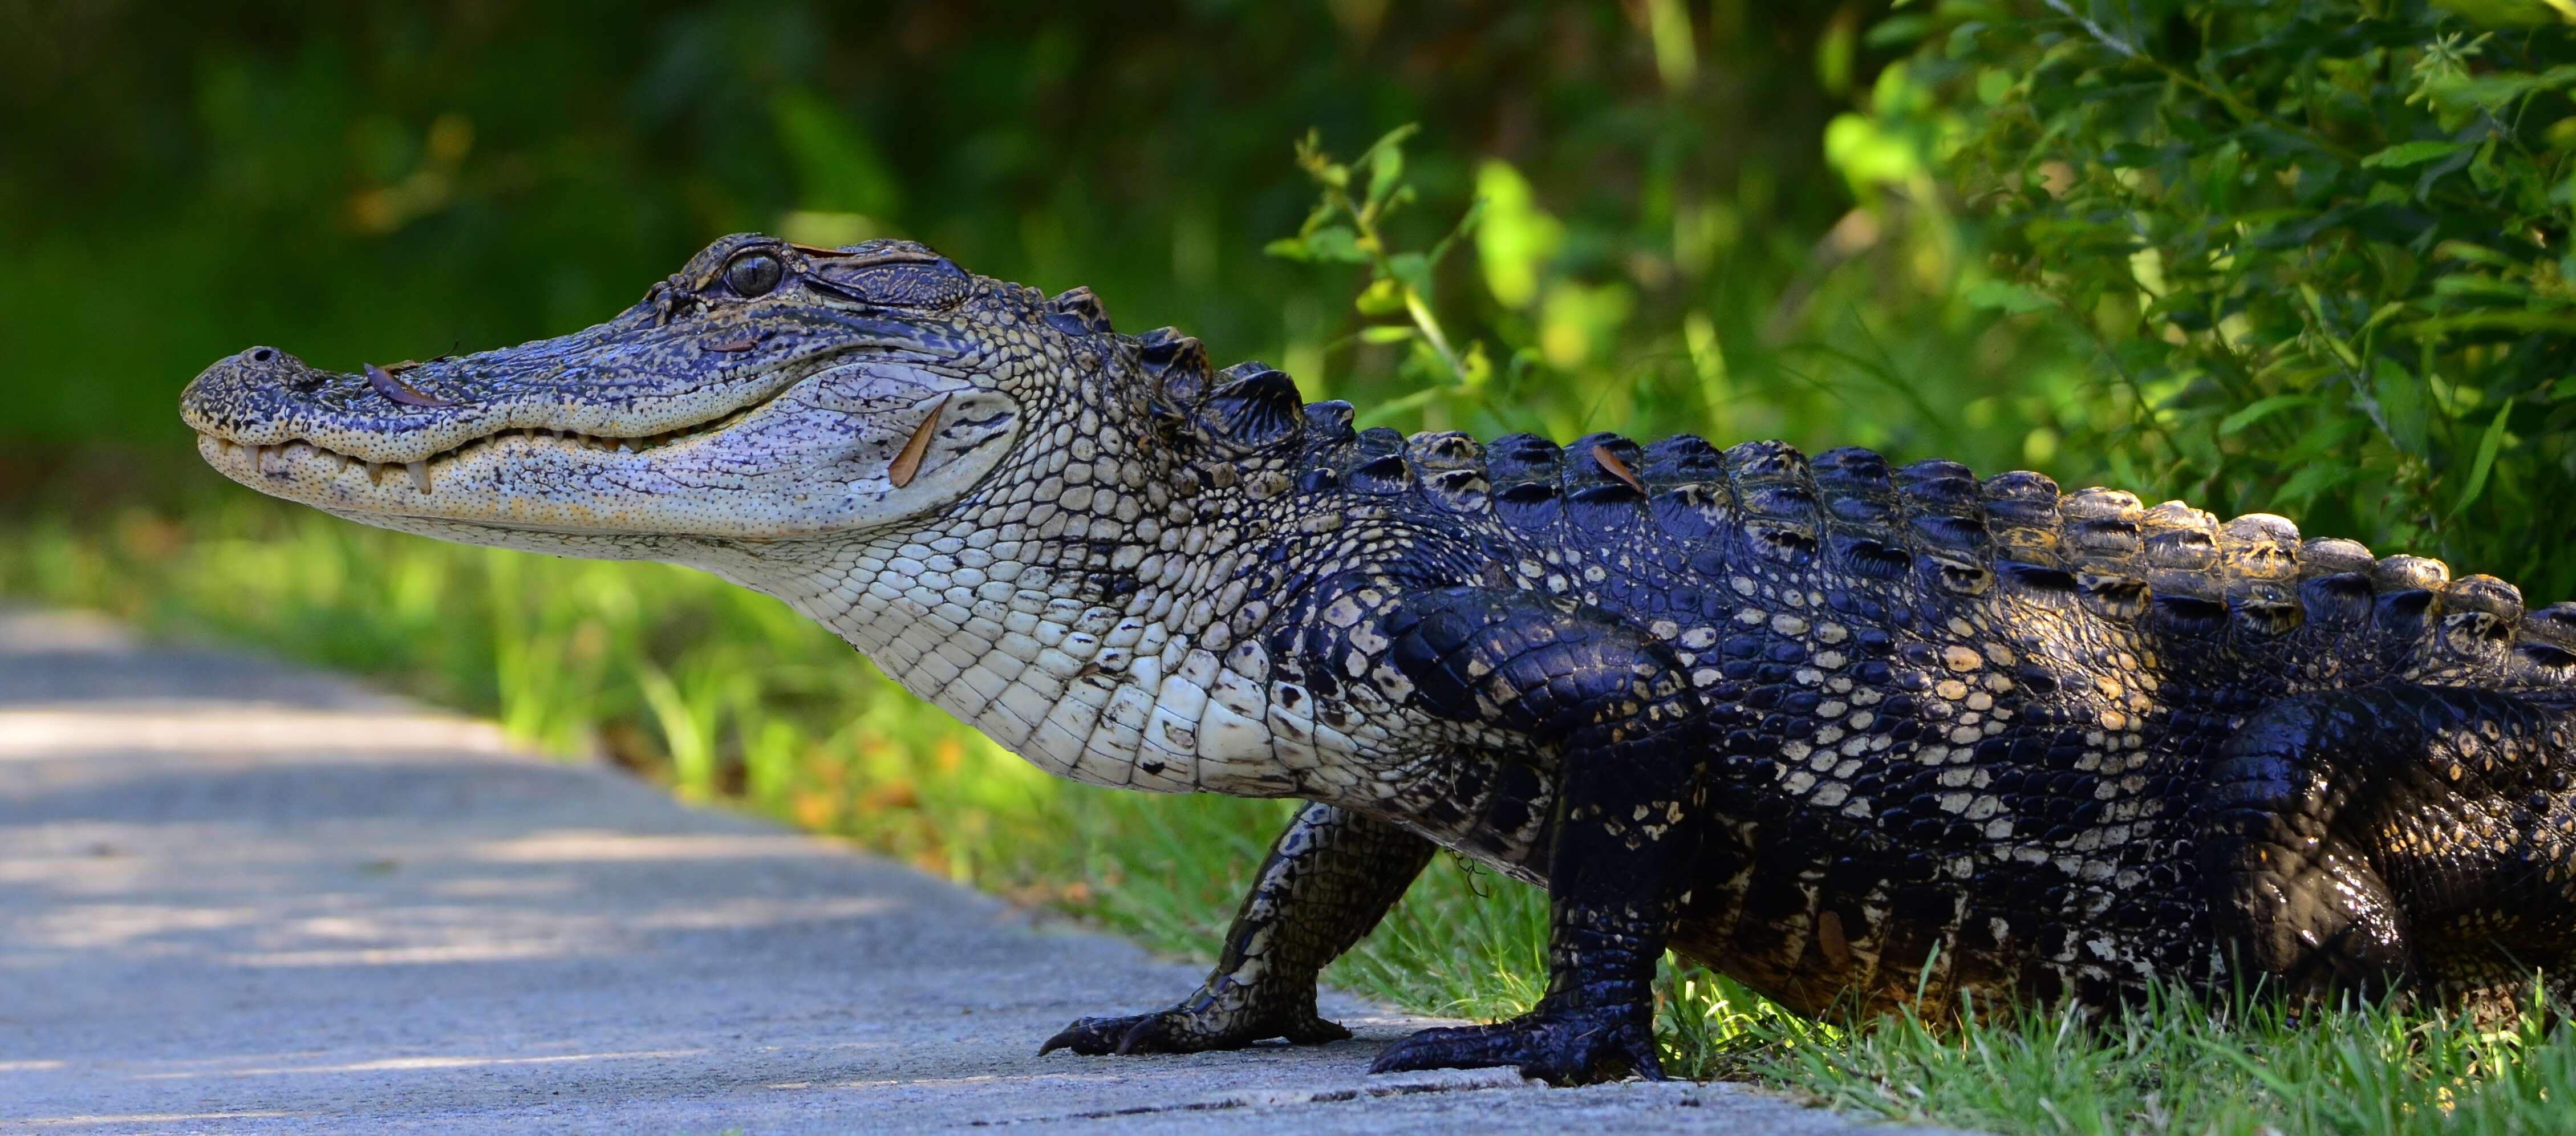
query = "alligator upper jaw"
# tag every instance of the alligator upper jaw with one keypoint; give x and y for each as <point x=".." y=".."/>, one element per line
<point x="617" y="381"/>
<point x="576" y="433"/>
<point x="528" y="481"/>
<point x="311" y="471"/>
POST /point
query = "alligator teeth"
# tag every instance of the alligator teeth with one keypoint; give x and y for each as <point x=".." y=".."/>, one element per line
<point x="376" y="472"/>
<point x="419" y="475"/>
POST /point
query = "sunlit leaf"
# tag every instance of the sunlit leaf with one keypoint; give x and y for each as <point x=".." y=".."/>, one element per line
<point x="1385" y="172"/>
<point x="2413" y="153"/>
<point x="1515" y="238"/>
<point x="2260" y="410"/>
<point x="2488" y="443"/>
<point x="1383" y="297"/>
<point x="2006" y="296"/>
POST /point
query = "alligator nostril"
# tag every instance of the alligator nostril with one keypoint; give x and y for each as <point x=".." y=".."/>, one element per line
<point x="262" y="355"/>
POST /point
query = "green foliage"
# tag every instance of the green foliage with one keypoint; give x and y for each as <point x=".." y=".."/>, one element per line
<point x="1347" y="228"/>
<point x="2185" y="1063"/>
<point x="2320" y="250"/>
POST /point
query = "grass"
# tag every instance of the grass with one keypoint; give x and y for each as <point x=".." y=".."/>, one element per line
<point x="725" y="695"/>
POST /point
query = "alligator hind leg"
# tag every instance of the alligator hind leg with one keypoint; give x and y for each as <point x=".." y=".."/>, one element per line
<point x="1330" y="877"/>
<point x="2362" y="840"/>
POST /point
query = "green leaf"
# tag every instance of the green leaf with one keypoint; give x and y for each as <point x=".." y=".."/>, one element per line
<point x="1993" y="84"/>
<point x="1387" y="142"/>
<point x="1386" y="333"/>
<point x="2312" y="480"/>
<point x="2401" y="406"/>
<point x="1335" y="242"/>
<point x="2406" y="154"/>
<point x="1413" y="270"/>
<point x="2006" y="296"/>
<point x="1896" y="32"/>
<point x="2259" y="410"/>
<point x="1288" y="248"/>
<point x="2514" y="319"/>
<point x="2488" y="444"/>
<point x="1384" y="173"/>
<point x="1515" y="238"/>
<point x="1383" y="297"/>
<point x="1477" y="368"/>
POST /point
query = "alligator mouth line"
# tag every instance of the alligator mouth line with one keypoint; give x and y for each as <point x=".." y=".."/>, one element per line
<point x="280" y="458"/>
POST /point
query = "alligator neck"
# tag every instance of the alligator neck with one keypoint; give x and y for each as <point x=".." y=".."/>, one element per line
<point x="1079" y="619"/>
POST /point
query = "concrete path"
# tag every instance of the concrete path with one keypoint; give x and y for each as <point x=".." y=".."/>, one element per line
<point x="238" y="897"/>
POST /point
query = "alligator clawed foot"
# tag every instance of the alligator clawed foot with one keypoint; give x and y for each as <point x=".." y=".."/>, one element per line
<point x="1185" y="1031"/>
<point x="1563" y="1047"/>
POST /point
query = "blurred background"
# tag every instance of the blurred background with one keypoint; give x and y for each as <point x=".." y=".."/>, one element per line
<point x="2306" y="258"/>
<point x="1665" y="235"/>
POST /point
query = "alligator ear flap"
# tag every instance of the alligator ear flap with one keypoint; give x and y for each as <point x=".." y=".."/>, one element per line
<point x="1254" y="407"/>
<point x="1077" y="312"/>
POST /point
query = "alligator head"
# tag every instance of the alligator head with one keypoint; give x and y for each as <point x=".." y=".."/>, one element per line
<point x="767" y="392"/>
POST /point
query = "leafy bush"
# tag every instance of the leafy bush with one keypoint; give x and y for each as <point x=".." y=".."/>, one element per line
<point x="2318" y="250"/>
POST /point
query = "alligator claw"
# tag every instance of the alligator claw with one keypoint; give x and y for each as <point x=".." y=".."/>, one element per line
<point x="1563" y="1047"/>
<point x="1090" y="1036"/>
<point x="1183" y="1031"/>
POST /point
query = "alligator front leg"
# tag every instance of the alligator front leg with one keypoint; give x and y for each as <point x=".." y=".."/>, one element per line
<point x="1623" y="827"/>
<point x="1329" y="879"/>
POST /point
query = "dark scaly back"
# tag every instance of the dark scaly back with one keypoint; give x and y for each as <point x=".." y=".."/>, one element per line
<point x="1862" y="515"/>
<point x="1690" y="505"/>
<point x="1775" y="496"/>
<point x="1528" y="495"/>
<point x="2249" y="594"/>
<point x="1946" y="523"/>
<point x="1452" y="469"/>
<point x="1604" y="496"/>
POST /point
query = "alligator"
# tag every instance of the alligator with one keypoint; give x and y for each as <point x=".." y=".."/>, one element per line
<point x="1858" y="735"/>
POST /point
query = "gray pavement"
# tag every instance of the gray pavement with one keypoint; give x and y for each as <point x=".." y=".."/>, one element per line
<point x="235" y="896"/>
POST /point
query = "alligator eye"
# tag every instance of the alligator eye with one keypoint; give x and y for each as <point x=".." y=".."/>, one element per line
<point x="754" y="274"/>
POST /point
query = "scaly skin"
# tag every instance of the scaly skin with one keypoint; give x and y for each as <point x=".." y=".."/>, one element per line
<point x="1850" y="734"/>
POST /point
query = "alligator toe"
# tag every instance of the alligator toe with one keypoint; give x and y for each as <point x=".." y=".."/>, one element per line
<point x="1181" y="1030"/>
<point x="1563" y="1047"/>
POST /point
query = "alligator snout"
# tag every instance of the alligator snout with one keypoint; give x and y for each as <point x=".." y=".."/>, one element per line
<point x="263" y="396"/>
<point x="250" y="396"/>
<point x="268" y="373"/>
